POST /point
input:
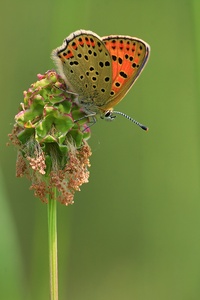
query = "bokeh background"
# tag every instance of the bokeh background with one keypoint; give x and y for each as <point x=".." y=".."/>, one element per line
<point x="134" y="230"/>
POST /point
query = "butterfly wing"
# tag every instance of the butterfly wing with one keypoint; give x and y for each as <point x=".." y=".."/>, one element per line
<point x="85" y="64"/>
<point x="129" y="56"/>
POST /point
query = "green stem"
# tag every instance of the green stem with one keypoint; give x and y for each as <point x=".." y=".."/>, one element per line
<point x="53" y="261"/>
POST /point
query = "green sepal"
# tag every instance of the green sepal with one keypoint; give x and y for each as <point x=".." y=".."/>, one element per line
<point x="63" y="149"/>
<point x="55" y="122"/>
<point x="25" y="135"/>
<point x="86" y="134"/>
<point x="79" y="116"/>
<point x="64" y="106"/>
<point x="60" y="154"/>
<point x="35" y="111"/>
<point x="48" y="162"/>
<point x="77" y="136"/>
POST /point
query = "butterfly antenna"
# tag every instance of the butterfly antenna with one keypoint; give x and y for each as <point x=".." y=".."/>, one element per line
<point x="131" y="119"/>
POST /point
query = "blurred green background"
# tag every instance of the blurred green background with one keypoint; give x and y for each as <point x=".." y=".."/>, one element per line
<point x="133" y="232"/>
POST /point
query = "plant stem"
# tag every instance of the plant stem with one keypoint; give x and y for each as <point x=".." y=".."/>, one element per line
<point x="53" y="261"/>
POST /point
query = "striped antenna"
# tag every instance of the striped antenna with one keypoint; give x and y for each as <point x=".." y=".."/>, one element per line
<point x="109" y="116"/>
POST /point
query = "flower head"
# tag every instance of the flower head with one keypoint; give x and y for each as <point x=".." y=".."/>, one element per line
<point x="50" y="132"/>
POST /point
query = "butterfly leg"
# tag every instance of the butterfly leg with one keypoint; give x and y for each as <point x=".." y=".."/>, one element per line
<point x="91" y="122"/>
<point x="66" y="91"/>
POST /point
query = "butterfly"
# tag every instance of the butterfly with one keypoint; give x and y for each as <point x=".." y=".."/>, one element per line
<point x="100" y="71"/>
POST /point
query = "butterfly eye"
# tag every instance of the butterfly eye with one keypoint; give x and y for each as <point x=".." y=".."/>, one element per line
<point x="108" y="116"/>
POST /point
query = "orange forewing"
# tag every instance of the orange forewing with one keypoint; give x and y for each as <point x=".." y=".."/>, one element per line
<point x="129" y="56"/>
